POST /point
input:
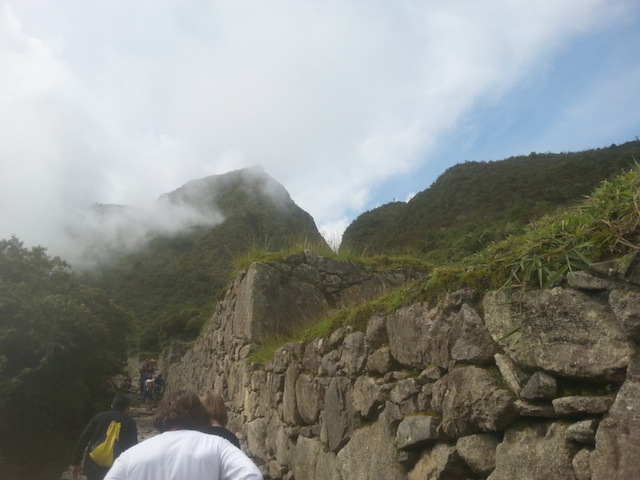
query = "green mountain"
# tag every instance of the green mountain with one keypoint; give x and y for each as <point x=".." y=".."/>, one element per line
<point x="474" y="203"/>
<point x="171" y="283"/>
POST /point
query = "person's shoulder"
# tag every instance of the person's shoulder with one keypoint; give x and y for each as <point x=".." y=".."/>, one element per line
<point x="129" y="422"/>
<point x="119" y="416"/>
<point x="201" y="435"/>
<point x="223" y="432"/>
<point x="105" y="414"/>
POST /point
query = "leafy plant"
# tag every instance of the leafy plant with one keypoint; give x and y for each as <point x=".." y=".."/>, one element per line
<point x="59" y="342"/>
<point x="605" y="226"/>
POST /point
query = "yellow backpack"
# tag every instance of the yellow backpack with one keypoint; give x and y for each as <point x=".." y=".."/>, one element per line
<point x="103" y="453"/>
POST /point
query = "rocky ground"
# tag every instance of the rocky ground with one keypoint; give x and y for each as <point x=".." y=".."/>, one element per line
<point x="142" y="416"/>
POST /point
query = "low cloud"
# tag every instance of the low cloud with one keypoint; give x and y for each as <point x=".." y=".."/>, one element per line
<point x="97" y="235"/>
<point x="119" y="102"/>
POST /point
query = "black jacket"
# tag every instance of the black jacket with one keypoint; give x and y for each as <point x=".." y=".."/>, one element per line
<point x="222" y="432"/>
<point x="97" y="427"/>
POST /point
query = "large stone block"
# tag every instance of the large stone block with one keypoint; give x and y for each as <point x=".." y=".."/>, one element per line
<point x="479" y="452"/>
<point x="471" y="401"/>
<point x="309" y="398"/>
<point x="372" y="453"/>
<point x="617" y="452"/>
<point x="269" y="302"/>
<point x="417" y="431"/>
<point x="339" y="416"/>
<point x="561" y="331"/>
<point x="419" y="336"/>
<point x="626" y="307"/>
<point x="469" y="339"/>
<point x="536" y="452"/>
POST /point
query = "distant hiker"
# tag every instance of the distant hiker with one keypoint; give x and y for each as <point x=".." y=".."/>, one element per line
<point x="218" y="417"/>
<point x="150" y="366"/>
<point x="180" y="451"/>
<point x="147" y="396"/>
<point x="94" y="433"/>
<point x="144" y="376"/>
<point x="158" y="387"/>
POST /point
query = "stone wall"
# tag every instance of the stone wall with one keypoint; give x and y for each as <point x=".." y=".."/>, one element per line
<point x="527" y="385"/>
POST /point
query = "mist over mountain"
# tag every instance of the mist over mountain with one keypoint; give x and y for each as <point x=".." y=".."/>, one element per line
<point x="98" y="235"/>
<point x="102" y="233"/>
<point x="168" y="267"/>
<point x="185" y="258"/>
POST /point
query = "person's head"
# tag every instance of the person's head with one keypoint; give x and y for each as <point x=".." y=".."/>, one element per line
<point x="216" y="408"/>
<point x="181" y="410"/>
<point x="120" y="402"/>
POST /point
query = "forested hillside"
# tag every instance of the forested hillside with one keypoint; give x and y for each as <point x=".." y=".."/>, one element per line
<point x="171" y="286"/>
<point x="474" y="203"/>
<point x="60" y="340"/>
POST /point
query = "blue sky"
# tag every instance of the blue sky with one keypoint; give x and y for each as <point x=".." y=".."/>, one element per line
<point x="349" y="104"/>
<point x="587" y="95"/>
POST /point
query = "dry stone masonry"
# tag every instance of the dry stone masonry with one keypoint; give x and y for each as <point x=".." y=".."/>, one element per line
<point x="533" y="385"/>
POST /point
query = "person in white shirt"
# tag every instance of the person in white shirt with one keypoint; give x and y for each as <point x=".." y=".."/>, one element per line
<point x="181" y="451"/>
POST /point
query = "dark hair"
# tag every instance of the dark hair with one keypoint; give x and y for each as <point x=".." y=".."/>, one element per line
<point x="181" y="410"/>
<point x="216" y="408"/>
<point x="120" y="402"/>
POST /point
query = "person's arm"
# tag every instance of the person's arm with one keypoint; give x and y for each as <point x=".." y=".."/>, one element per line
<point x="235" y="464"/>
<point x="129" y="434"/>
<point x="81" y="446"/>
<point x="117" y="470"/>
<point x="83" y="441"/>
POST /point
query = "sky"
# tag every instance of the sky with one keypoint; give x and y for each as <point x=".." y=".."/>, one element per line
<point x="349" y="104"/>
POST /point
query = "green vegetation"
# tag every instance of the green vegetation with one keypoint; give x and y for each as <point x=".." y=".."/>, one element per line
<point x="605" y="226"/>
<point x="172" y="285"/>
<point x="59" y="342"/>
<point x="474" y="204"/>
<point x="260" y="253"/>
<point x="526" y="221"/>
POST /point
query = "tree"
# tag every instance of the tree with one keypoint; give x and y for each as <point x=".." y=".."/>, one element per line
<point x="60" y="340"/>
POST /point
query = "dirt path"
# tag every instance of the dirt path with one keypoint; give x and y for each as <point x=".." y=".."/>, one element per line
<point x="142" y="417"/>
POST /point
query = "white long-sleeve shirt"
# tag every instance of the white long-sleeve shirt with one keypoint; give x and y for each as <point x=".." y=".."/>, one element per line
<point x="184" y="454"/>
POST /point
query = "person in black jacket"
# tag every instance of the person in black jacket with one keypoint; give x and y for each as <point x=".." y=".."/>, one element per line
<point x="94" y="432"/>
<point x="218" y="417"/>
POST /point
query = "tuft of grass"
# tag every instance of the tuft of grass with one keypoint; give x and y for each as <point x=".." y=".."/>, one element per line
<point x="358" y="317"/>
<point x="605" y="226"/>
<point x="263" y="253"/>
<point x="257" y="253"/>
<point x="266" y="351"/>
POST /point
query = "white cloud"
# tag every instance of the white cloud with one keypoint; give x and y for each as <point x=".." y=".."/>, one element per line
<point x="102" y="231"/>
<point x="119" y="102"/>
